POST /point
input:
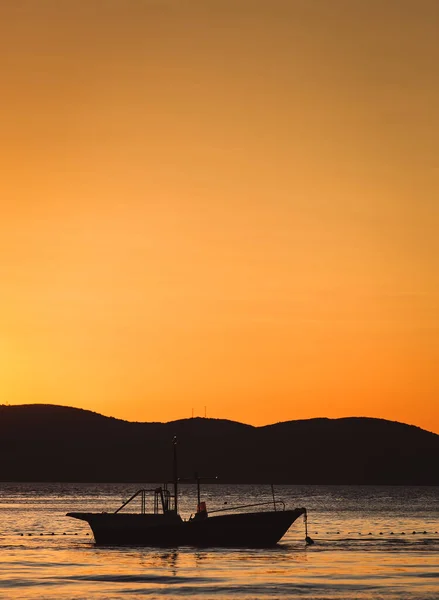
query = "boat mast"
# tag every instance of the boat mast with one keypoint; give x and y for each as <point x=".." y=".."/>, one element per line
<point x="174" y="443"/>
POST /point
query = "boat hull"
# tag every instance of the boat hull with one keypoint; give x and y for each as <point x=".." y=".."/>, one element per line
<point x="239" y="529"/>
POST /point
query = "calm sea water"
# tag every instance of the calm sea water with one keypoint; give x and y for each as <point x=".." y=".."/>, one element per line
<point x="370" y="542"/>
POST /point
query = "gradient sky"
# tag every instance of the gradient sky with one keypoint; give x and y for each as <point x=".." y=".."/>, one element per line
<point x="231" y="204"/>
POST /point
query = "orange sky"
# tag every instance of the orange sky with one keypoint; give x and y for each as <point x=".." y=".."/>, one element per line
<point x="231" y="204"/>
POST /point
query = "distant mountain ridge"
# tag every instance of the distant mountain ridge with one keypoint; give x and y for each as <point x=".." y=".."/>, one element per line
<point x="40" y="442"/>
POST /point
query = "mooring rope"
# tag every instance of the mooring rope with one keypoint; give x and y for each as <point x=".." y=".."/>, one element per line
<point x="308" y="539"/>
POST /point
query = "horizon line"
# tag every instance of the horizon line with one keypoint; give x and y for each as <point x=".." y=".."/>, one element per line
<point x="205" y="418"/>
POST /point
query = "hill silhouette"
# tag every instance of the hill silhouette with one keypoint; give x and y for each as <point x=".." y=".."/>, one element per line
<point x="55" y="443"/>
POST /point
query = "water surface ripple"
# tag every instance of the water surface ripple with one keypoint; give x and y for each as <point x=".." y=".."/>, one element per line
<point x="370" y="542"/>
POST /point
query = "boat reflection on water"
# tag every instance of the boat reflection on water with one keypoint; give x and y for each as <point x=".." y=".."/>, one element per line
<point x="165" y="527"/>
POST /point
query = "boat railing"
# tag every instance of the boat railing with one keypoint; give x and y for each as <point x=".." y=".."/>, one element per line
<point x="280" y="502"/>
<point x="162" y="497"/>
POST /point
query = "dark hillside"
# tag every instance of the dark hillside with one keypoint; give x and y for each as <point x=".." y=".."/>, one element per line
<point x="55" y="443"/>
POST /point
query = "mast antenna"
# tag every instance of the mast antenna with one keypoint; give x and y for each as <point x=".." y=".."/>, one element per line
<point x="174" y="443"/>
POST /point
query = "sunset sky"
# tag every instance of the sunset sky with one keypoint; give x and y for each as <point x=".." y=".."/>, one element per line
<point x="221" y="203"/>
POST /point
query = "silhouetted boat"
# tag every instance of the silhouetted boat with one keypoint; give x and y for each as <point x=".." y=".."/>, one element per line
<point x="165" y="527"/>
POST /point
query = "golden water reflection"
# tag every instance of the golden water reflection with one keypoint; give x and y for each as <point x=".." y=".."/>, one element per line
<point x="344" y="563"/>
